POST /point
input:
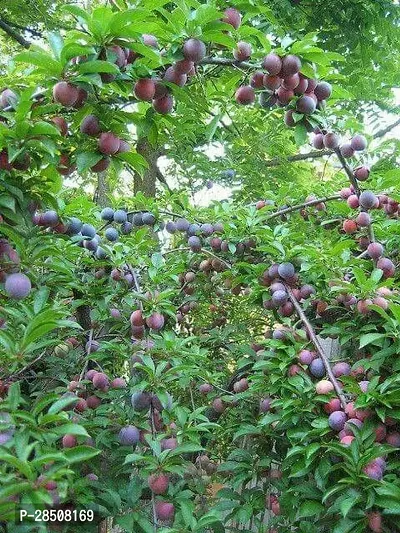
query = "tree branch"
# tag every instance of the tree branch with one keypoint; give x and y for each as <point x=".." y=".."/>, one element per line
<point x="384" y="131"/>
<point x="36" y="33"/>
<point x="317" y="345"/>
<point x="223" y="61"/>
<point x="298" y="157"/>
<point x="315" y="154"/>
<point x="14" y="34"/>
<point x="303" y="205"/>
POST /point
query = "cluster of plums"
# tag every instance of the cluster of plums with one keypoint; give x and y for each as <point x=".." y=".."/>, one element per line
<point x="126" y="220"/>
<point x="365" y="202"/>
<point x="281" y="83"/>
<point x="324" y="139"/>
<point x="381" y="298"/>
<point x="278" y="277"/>
<point x="343" y="421"/>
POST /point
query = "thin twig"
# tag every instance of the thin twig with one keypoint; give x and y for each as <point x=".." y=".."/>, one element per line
<point x="26" y="367"/>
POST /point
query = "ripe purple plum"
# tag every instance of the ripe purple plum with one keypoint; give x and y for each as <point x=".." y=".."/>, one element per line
<point x="194" y="50"/>
<point x="337" y="420"/>
<point x="17" y="286"/>
<point x="129" y="436"/>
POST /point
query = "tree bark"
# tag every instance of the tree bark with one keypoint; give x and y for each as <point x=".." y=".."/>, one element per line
<point x="101" y="195"/>
<point x="146" y="184"/>
<point x="14" y="34"/>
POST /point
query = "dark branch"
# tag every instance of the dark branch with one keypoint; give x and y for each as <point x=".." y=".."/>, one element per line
<point x="321" y="153"/>
<point x="303" y="205"/>
<point x="318" y="346"/>
<point x="384" y="131"/>
<point x="14" y="34"/>
<point x="223" y="61"/>
<point x="36" y="33"/>
<point x="348" y="171"/>
<point x="298" y="157"/>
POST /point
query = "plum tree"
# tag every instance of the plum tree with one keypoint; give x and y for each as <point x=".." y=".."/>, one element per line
<point x="220" y="293"/>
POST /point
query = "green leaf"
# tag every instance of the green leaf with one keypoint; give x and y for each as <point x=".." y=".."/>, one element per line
<point x="80" y="454"/>
<point x="62" y="403"/>
<point x="44" y="128"/>
<point x="300" y="134"/>
<point x="86" y="160"/>
<point x="40" y="299"/>
<point x="7" y="201"/>
<point x="310" y="508"/>
<point x="91" y="67"/>
<point x="371" y="338"/>
<point x="72" y="429"/>
<point x="56" y="43"/>
<point x="41" y="59"/>
<point x="135" y="160"/>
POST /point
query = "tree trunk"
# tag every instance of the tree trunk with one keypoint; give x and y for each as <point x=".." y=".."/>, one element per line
<point x="101" y="195"/>
<point x="146" y="184"/>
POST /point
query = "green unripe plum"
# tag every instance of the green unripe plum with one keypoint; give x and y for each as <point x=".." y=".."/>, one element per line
<point x="61" y="350"/>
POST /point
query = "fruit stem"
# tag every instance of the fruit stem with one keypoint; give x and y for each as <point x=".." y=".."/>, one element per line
<point x="317" y="345"/>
